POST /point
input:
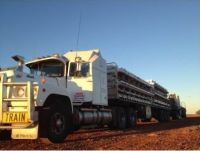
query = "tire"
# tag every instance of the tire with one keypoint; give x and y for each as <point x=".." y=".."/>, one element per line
<point x="167" y="116"/>
<point x="161" y="117"/>
<point x="164" y="116"/>
<point x="113" y="123"/>
<point x="131" y="118"/>
<point x="58" y="122"/>
<point x="175" y="115"/>
<point x="121" y="118"/>
<point x="184" y="113"/>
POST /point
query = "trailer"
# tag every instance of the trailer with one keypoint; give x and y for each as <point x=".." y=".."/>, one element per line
<point x="63" y="93"/>
<point x="177" y="110"/>
<point x="146" y="98"/>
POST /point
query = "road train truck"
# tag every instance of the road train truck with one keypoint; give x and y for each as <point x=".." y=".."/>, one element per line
<point x="62" y="93"/>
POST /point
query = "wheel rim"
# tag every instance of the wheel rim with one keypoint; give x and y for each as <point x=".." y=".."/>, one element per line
<point x="57" y="123"/>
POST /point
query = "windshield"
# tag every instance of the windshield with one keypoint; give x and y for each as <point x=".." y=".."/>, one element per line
<point x="50" y="68"/>
<point x="83" y="72"/>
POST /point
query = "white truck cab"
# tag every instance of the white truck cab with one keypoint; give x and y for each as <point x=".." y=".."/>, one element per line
<point x="46" y="96"/>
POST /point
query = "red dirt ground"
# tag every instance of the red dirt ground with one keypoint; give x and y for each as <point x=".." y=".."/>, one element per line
<point x="179" y="134"/>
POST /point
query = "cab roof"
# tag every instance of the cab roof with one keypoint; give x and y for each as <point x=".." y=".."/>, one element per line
<point x="85" y="55"/>
<point x="44" y="58"/>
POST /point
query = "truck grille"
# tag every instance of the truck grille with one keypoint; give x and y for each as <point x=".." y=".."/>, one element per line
<point x="16" y="101"/>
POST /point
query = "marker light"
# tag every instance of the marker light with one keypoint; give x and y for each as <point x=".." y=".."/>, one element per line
<point x="20" y="91"/>
<point x="43" y="80"/>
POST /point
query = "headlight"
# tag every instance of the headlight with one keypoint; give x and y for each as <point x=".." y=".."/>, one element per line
<point x="19" y="91"/>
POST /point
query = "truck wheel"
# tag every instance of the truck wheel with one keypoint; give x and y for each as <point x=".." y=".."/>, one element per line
<point x="58" y="121"/>
<point x="121" y="118"/>
<point x="131" y="118"/>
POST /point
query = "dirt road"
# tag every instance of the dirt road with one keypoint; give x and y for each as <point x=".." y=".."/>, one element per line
<point x="180" y="134"/>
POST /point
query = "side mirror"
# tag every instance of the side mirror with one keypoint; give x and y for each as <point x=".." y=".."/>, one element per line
<point x="20" y="61"/>
<point x="78" y="66"/>
<point x="78" y="61"/>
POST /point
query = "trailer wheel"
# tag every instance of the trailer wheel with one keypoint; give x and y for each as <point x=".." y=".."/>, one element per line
<point x="161" y="117"/>
<point x="167" y="116"/>
<point x="164" y="116"/>
<point x="58" y="122"/>
<point x="176" y="115"/>
<point x="113" y="123"/>
<point x="131" y="118"/>
<point x="121" y="118"/>
<point x="183" y="111"/>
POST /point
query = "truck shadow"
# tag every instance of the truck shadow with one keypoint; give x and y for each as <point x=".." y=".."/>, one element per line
<point x="5" y="135"/>
<point x="141" y="128"/>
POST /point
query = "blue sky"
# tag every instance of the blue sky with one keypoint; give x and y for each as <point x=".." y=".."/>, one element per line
<point x="154" y="39"/>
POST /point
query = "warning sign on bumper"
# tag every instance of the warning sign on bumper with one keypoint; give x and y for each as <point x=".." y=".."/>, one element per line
<point x="15" y="117"/>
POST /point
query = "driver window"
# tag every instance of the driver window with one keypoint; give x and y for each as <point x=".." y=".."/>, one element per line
<point x="84" y="70"/>
<point x="72" y="69"/>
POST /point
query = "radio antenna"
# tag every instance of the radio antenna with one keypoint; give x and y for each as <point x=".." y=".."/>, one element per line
<point x="79" y="28"/>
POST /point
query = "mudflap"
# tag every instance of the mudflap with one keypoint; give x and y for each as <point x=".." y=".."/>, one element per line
<point x="25" y="133"/>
